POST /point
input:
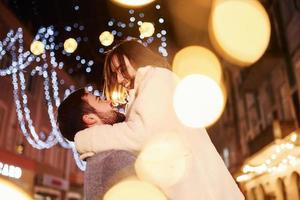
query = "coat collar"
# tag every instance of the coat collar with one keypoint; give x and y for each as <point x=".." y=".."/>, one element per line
<point x="140" y="75"/>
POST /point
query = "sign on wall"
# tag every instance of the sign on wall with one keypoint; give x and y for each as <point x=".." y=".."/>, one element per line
<point x="10" y="171"/>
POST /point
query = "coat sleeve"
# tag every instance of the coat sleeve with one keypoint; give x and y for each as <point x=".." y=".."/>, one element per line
<point x="123" y="136"/>
<point x="147" y="112"/>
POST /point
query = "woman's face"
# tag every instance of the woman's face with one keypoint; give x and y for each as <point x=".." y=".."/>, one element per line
<point x="125" y="76"/>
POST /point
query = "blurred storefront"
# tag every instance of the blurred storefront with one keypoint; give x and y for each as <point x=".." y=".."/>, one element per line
<point x="20" y="172"/>
<point x="273" y="171"/>
<point x="36" y="179"/>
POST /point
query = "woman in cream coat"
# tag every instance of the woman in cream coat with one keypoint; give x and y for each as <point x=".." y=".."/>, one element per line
<point x="150" y="113"/>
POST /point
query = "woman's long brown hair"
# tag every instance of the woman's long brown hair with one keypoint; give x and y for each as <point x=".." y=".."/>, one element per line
<point x="138" y="55"/>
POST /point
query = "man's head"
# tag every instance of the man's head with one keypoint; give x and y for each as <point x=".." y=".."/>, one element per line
<point x="81" y="110"/>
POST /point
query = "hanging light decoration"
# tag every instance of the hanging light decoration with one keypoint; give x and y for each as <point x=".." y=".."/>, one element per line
<point x="197" y="60"/>
<point x="21" y="60"/>
<point x="45" y="65"/>
<point x="239" y="30"/>
<point x="106" y="38"/>
<point x="37" y="47"/>
<point x="70" y="45"/>
<point x="132" y="3"/>
<point x="146" y="29"/>
<point x="281" y="158"/>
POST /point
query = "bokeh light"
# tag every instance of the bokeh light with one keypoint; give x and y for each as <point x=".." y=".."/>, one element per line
<point x="133" y="3"/>
<point x="198" y="101"/>
<point x="12" y="192"/>
<point x="106" y="38"/>
<point x="70" y="45"/>
<point x="197" y="60"/>
<point x="163" y="161"/>
<point x="239" y="30"/>
<point x="118" y="96"/>
<point x="37" y="47"/>
<point x="146" y="29"/>
<point x="134" y="189"/>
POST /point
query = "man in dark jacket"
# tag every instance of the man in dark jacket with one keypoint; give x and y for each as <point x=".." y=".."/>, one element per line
<point x="79" y="111"/>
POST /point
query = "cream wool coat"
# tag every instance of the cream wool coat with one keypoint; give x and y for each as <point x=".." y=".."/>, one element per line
<point x="150" y="113"/>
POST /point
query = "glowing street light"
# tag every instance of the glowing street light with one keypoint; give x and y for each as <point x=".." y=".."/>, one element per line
<point x="37" y="47"/>
<point x="70" y="45"/>
<point x="239" y="30"/>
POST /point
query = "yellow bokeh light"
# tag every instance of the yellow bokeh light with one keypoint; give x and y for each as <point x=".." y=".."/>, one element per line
<point x="106" y="38"/>
<point x="118" y="96"/>
<point x="132" y="3"/>
<point x="115" y="96"/>
<point x="198" y="101"/>
<point x="146" y="29"/>
<point x="12" y="192"/>
<point x="163" y="161"/>
<point x="239" y="30"/>
<point x="197" y="60"/>
<point x="70" y="45"/>
<point x="37" y="47"/>
<point x="134" y="189"/>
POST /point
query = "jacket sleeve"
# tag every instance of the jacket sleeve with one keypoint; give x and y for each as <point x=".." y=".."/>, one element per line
<point x="123" y="136"/>
<point x="147" y="111"/>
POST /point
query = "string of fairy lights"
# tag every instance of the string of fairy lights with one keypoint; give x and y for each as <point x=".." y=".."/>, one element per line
<point x="42" y="61"/>
<point x="277" y="162"/>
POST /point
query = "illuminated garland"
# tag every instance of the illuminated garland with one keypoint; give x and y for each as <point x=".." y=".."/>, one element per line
<point x="46" y="66"/>
<point x="268" y="165"/>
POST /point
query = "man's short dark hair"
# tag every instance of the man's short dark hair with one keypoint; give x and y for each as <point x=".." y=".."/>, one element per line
<point x="70" y="113"/>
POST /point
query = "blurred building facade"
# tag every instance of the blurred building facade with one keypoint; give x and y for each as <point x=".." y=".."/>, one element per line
<point x="259" y="127"/>
<point x="48" y="173"/>
<point x="257" y="134"/>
